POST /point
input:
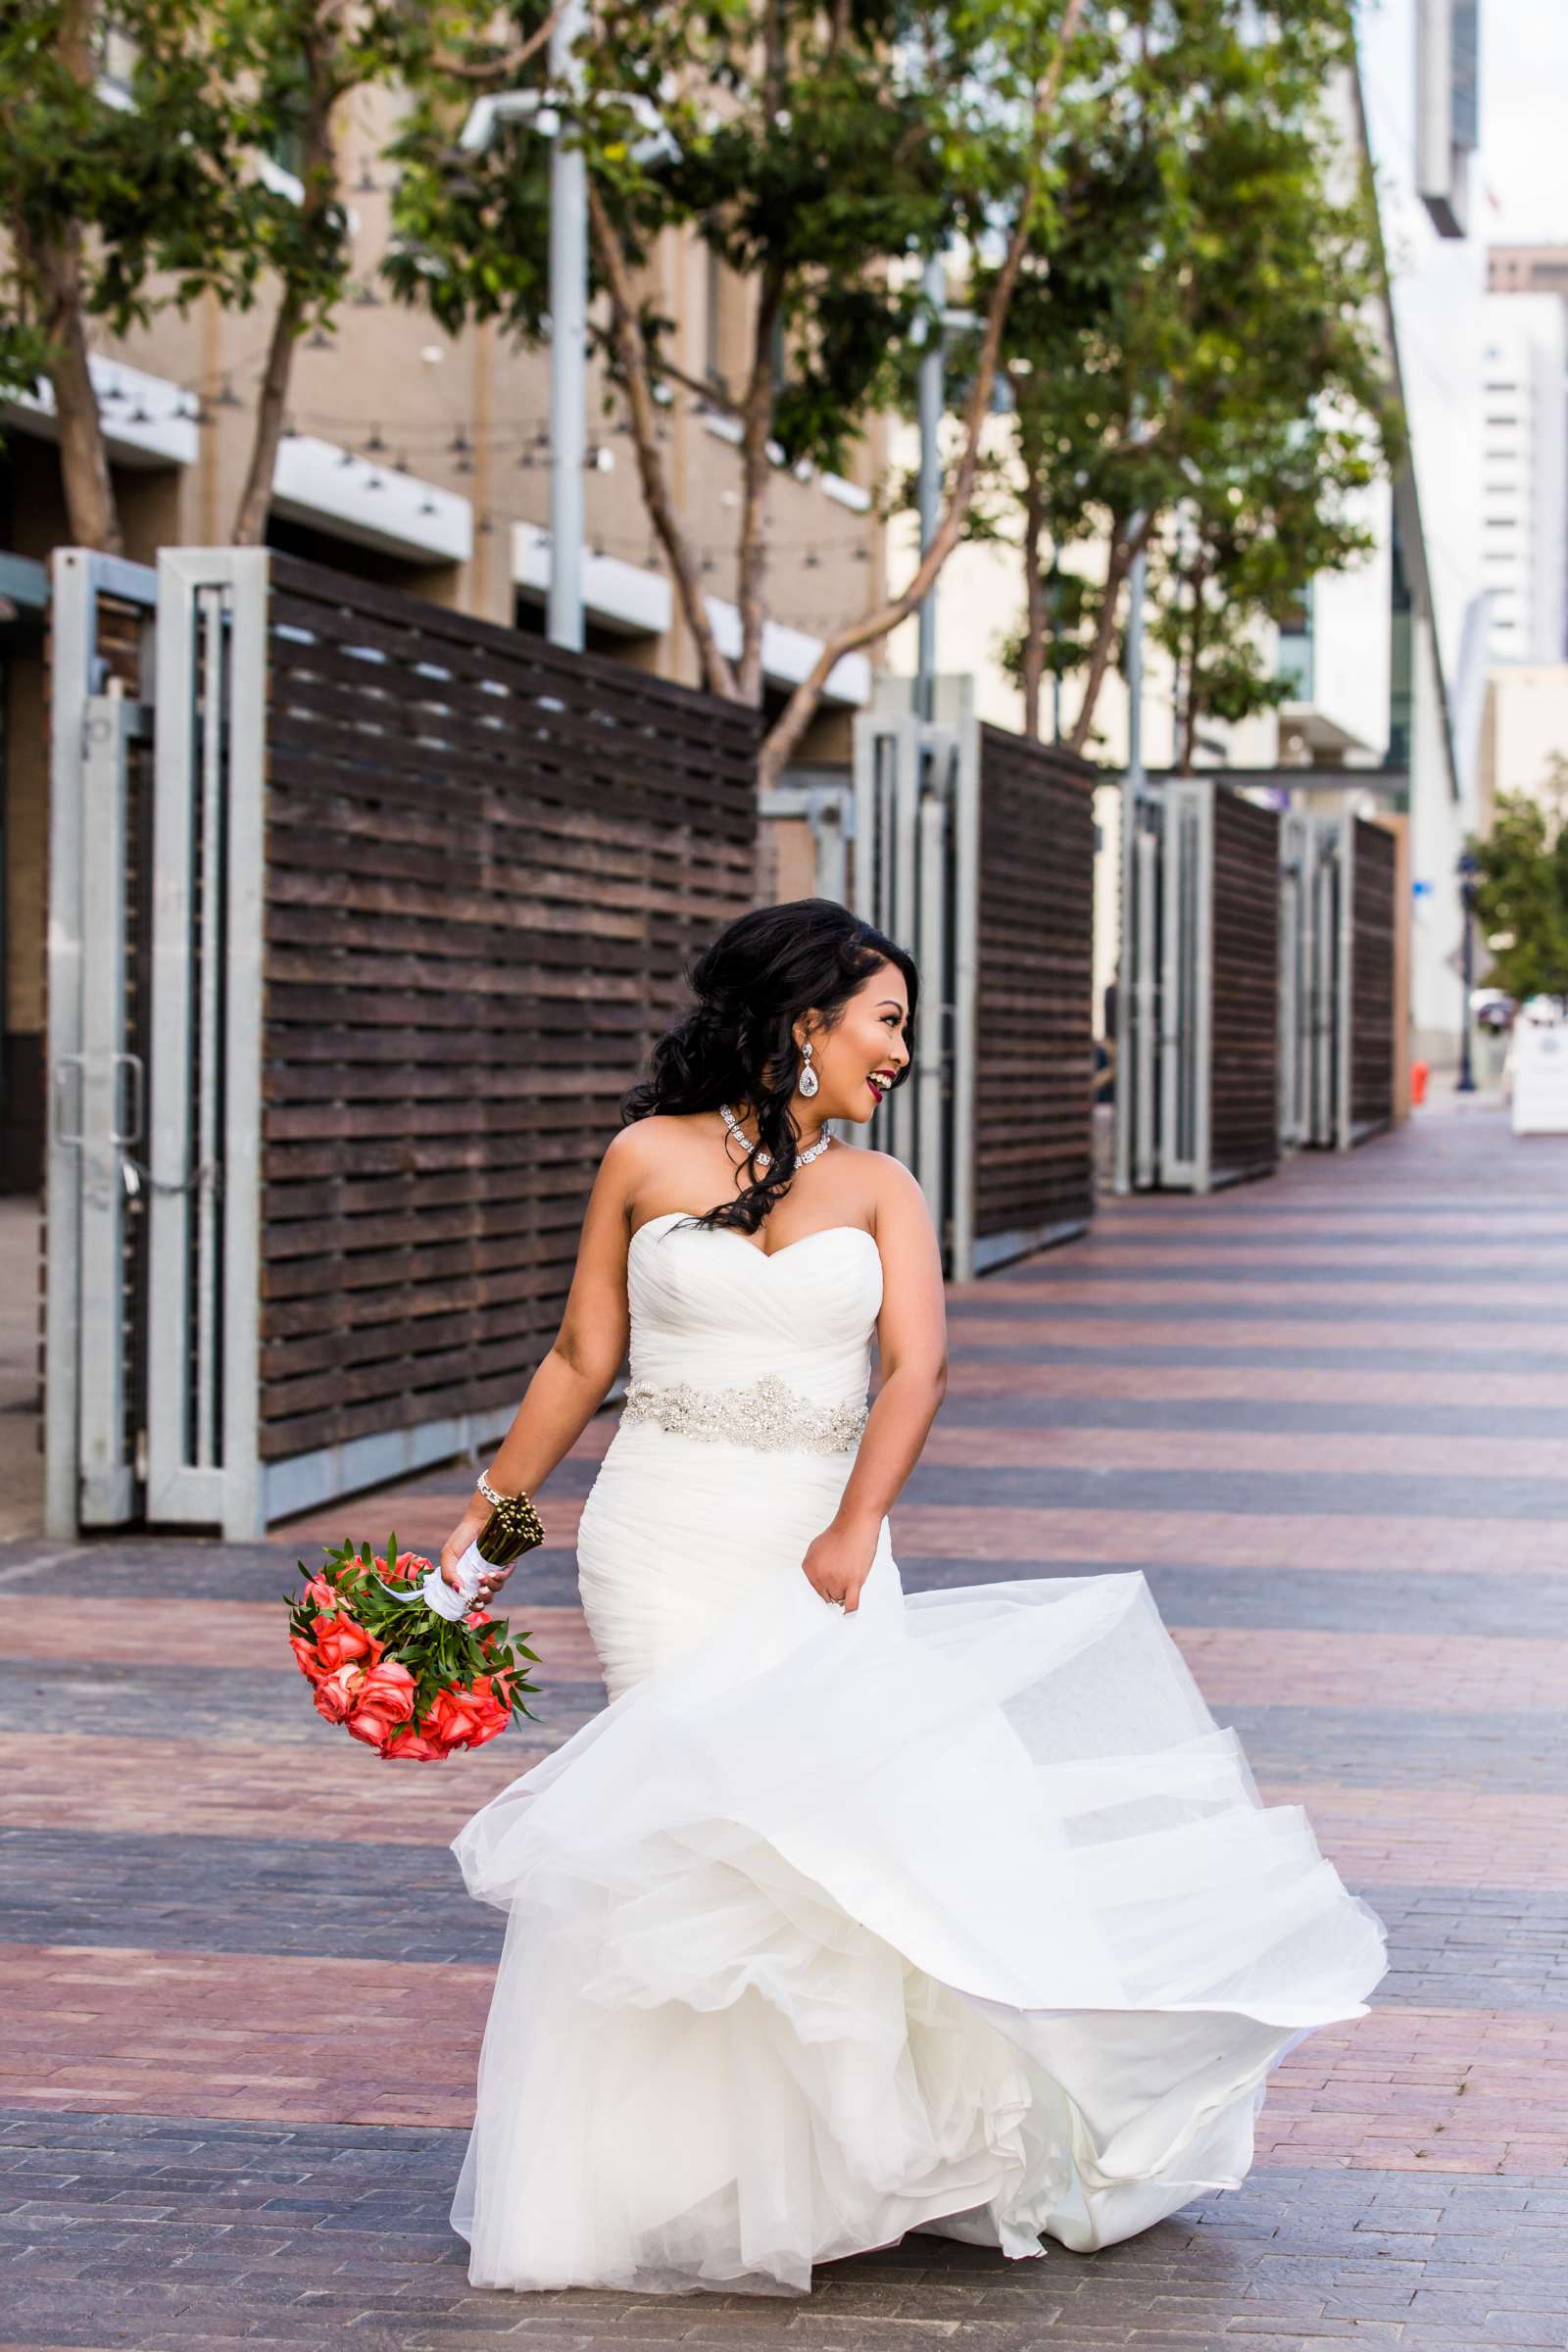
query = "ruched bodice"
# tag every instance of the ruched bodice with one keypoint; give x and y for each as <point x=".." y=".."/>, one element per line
<point x="707" y="1307"/>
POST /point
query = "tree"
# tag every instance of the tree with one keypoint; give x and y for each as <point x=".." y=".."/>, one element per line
<point x="296" y="62"/>
<point x="131" y="177"/>
<point x="96" y="197"/>
<point x="1193" y="361"/>
<point x="814" y="150"/>
<point x="1522" y="893"/>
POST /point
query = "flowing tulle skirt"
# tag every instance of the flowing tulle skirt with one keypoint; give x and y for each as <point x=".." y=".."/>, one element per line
<point x="956" y="1912"/>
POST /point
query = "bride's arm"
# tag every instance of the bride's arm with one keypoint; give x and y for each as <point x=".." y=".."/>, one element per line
<point x="913" y="1342"/>
<point x="587" y="1352"/>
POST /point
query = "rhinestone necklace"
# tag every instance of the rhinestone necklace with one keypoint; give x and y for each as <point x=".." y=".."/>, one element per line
<point x="764" y="1159"/>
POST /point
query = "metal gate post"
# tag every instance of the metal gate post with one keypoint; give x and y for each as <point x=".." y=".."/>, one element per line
<point x="1293" y="862"/>
<point x="112" y="1113"/>
<point x="964" y="980"/>
<point x="1344" y="1031"/>
<point x="1324" y="944"/>
<point x="202" y="1453"/>
<point x="79" y="577"/>
<point x="1186" y="986"/>
<point x="916" y="830"/>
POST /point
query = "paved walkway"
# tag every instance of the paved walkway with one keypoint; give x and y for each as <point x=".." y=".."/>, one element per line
<point x="1329" y="1417"/>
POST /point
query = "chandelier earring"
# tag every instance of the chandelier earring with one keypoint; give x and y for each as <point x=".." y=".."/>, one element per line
<point x="809" y="1079"/>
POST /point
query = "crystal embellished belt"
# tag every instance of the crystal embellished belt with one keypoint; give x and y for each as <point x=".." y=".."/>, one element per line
<point x="769" y="1415"/>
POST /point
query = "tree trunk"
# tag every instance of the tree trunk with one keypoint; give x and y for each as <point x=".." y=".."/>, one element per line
<point x="798" y="711"/>
<point x="1034" y="634"/>
<point x="320" y="180"/>
<point x="52" y="263"/>
<point x="92" y="514"/>
<point x="256" y="499"/>
<point x="756" y="419"/>
<point x="1118" y="564"/>
<point x="1118" y="561"/>
<point x="718" y="676"/>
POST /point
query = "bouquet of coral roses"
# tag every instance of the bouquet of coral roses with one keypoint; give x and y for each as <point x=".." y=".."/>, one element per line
<point x="412" y="1668"/>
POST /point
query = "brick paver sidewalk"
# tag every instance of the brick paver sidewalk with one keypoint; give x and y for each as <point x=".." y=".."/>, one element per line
<point x="1326" y="1415"/>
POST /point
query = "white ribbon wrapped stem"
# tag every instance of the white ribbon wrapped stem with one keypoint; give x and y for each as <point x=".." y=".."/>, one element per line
<point x="452" y="1602"/>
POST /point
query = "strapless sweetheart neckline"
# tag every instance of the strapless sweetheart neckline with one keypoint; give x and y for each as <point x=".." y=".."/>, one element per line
<point x="766" y="1255"/>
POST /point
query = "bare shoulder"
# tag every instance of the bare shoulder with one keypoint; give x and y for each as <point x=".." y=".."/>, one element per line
<point x="643" y="1151"/>
<point x="894" y="1188"/>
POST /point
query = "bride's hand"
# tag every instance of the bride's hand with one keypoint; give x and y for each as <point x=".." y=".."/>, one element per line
<point x="470" y="1525"/>
<point x="838" y="1562"/>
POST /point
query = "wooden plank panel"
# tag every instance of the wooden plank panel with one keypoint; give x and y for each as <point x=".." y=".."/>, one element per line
<point x="490" y="863"/>
<point x="1244" y="1069"/>
<point x="1034" y="1027"/>
<point x="1373" y="916"/>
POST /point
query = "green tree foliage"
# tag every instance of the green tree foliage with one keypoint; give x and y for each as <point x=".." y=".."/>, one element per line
<point x="1193" y="356"/>
<point x="132" y="175"/>
<point x="1522" y="889"/>
<point x="115" y="164"/>
<point x="818" y="151"/>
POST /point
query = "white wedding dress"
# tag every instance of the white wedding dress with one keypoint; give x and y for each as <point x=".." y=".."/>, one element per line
<point x="957" y="1912"/>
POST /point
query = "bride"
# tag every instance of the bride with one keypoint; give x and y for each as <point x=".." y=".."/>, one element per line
<point x="854" y="1913"/>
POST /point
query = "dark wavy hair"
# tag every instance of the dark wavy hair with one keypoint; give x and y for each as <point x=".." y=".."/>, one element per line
<point x="736" y="1044"/>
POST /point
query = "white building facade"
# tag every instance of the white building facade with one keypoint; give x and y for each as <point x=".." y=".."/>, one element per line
<point x="1524" y="483"/>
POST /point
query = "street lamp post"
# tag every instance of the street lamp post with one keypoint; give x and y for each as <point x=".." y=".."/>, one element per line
<point x="1468" y="870"/>
<point x="569" y="311"/>
<point x="931" y="401"/>
<point x="569" y="338"/>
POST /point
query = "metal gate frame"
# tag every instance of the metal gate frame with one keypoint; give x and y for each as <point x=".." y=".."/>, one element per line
<point x="93" y="1121"/>
<point x="204" y="1330"/>
<point x="1165" y="995"/>
<point x="1316" y="940"/>
<point x="193" y="1336"/>
<point x="916" y="877"/>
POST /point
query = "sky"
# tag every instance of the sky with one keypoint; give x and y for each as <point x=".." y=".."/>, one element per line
<point x="1524" y="122"/>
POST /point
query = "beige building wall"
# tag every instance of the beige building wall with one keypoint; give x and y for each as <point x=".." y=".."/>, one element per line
<point x="1524" y="727"/>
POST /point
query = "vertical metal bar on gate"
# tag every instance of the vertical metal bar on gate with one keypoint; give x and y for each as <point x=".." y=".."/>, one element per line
<point x="1292" y="1058"/>
<point x="964" y="984"/>
<point x="1186" y="986"/>
<point x="1325" y="955"/>
<point x="930" y="950"/>
<point x="1344" y="1009"/>
<point x="204" y="1242"/>
<point x="1143" y="1009"/>
<point x="107" y="1479"/>
<point x="1202" y="1028"/>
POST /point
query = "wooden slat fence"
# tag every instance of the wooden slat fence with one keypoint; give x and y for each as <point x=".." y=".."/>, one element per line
<point x="1034" y="1045"/>
<point x="489" y="863"/>
<point x="1244" y="1048"/>
<point x="1373" y="917"/>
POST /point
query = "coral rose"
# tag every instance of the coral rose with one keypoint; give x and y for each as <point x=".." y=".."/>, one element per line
<point x="343" y="1642"/>
<point x="413" y="1747"/>
<point x="373" y="1727"/>
<point x="337" y="1694"/>
<point x="454" y="1718"/>
<point x="390" y="1690"/>
<point x="410" y="1565"/>
<point x="308" y="1657"/>
<point x="492" y="1724"/>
